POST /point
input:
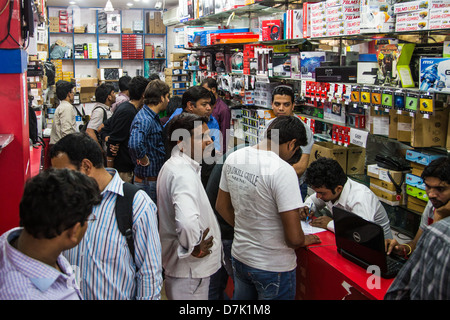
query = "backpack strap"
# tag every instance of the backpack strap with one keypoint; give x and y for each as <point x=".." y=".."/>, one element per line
<point x="124" y="214"/>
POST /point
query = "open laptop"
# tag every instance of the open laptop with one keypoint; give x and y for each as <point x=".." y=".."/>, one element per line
<point x="362" y="242"/>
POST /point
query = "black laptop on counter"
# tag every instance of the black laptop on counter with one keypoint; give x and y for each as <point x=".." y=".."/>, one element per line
<point x="362" y="242"/>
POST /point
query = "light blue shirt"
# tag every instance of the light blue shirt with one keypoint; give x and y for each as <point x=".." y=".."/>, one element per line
<point x="103" y="258"/>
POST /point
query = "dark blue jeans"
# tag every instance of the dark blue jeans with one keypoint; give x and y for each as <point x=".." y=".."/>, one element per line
<point x="251" y="283"/>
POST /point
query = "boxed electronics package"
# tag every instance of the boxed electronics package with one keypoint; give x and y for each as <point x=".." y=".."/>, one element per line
<point x="435" y="74"/>
<point x="377" y="16"/>
<point x="308" y="63"/>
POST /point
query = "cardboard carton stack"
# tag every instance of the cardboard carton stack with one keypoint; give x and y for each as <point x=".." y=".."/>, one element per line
<point x="155" y="22"/>
<point x="86" y="88"/>
<point x="177" y="78"/>
<point x="415" y="187"/>
<point x="384" y="183"/>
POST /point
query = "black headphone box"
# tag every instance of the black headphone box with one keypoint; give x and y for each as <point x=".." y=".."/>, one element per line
<point x="272" y="30"/>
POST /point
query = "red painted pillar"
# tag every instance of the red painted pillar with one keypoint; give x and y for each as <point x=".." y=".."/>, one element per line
<point x="14" y="158"/>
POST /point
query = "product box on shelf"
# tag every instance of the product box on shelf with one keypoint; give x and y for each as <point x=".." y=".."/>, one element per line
<point x="443" y="13"/>
<point x="439" y="4"/>
<point x="388" y="196"/>
<point x="373" y="170"/>
<point x="416" y="193"/>
<point x="415" y="16"/>
<point x="377" y="16"/>
<point x="411" y="6"/>
<point x="430" y="132"/>
<point x="416" y="204"/>
<point x="414" y="181"/>
<point x="307" y="20"/>
<point x="435" y="74"/>
<point x="411" y="26"/>
<point x="272" y="30"/>
<point x="439" y="24"/>
<point x="335" y="29"/>
<point x="309" y="61"/>
<point x="422" y="157"/>
<point x="329" y="150"/>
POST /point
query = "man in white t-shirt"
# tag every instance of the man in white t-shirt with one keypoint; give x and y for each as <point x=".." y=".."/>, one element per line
<point x="260" y="196"/>
<point x="332" y="188"/>
<point x="283" y="105"/>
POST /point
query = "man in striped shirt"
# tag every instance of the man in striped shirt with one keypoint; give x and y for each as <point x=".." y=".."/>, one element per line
<point x="107" y="270"/>
<point x="146" y="144"/>
<point x="31" y="264"/>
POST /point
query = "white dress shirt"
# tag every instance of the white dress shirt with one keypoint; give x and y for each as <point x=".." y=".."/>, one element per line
<point x="358" y="199"/>
<point x="184" y="213"/>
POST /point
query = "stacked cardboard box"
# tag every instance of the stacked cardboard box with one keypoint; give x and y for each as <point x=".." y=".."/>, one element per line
<point x="86" y="88"/>
<point x="382" y="184"/>
<point x="177" y="79"/>
<point x="155" y="22"/>
<point x="53" y="24"/>
<point x="58" y="69"/>
<point x="415" y="185"/>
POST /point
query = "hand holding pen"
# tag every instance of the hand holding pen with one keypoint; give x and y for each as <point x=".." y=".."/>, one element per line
<point x="306" y="213"/>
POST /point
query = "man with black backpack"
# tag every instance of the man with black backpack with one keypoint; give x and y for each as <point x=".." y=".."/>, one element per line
<point x="105" y="97"/>
<point x="119" y="257"/>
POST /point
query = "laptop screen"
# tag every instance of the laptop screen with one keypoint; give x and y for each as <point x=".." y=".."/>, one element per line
<point x="360" y="238"/>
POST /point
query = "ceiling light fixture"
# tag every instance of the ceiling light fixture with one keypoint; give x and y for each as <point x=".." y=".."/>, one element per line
<point x="109" y="7"/>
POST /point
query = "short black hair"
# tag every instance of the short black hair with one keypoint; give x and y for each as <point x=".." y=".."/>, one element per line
<point x="63" y="88"/>
<point x="136" y="87"/>
<point x="55" y="200"/>
<point x="183" y="121"/>
<point x="210" y="82"/>
<point x="438" y="168"/>
<point x="287" y="128"/>
<point x="79" y="146"/>
<point x="123" y="83"/>
<point x="103" y="91"/>
<point x="153" y="76"/>
<point x="193" y="94"/>
<point x="283" y="90"/>
<point x="325" y="172"/>
<point x="154" y="91"/>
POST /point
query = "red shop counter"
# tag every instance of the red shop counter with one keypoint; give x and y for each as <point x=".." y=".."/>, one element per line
<point x="323" y="274"/>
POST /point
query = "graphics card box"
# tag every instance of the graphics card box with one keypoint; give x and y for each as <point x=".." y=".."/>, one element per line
<point x="435" y="74"/>
<point x="309" y="61"/>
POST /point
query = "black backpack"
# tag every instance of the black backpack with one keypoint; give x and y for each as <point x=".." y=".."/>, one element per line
<point x="124" y="214"/>
<point x="87" y="118"/>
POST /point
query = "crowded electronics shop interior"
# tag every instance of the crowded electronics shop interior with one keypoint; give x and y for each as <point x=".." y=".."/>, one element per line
<point x="366" y="82"/>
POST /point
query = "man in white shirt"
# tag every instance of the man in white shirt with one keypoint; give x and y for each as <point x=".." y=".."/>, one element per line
<point x="260" y="196"/>
<point x="190" y="235"/>
<point x="333" y="188"/>
<point x="105" y="97"/>
<point x="283" y="105"/>
<point x="64" y="117"/>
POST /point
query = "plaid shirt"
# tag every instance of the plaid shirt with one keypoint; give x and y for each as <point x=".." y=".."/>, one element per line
<point x="146" y="139"/>
<point x="426" y="275"/>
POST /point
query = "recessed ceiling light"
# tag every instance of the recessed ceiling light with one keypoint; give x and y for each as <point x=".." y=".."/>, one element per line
<point x="72" y="2"/>
<point x="130" y="4"/>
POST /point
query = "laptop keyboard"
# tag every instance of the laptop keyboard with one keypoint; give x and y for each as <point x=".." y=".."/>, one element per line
<point x="393" y="265"/>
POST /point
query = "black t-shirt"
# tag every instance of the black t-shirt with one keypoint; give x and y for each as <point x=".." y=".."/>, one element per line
<point x="118" y="129"/>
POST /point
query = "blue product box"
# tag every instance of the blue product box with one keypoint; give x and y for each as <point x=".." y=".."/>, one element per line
<point x="309" y="61"/>
<point x="435" y="74"/>
<point x="414" y="181"/>
<point x="421" y="157"/>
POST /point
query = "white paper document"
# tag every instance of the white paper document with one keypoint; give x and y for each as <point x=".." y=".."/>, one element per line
<point x="309" y="229"/>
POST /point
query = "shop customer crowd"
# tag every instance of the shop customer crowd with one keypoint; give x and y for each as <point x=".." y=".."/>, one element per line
<point x="144" y="202"/>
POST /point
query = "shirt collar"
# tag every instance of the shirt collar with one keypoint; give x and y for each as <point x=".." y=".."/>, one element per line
<point x="345" y="193"/>
<point x="152" y="113"/>
<point x="42" y="276"/>
<point x="116" y="184"/>
<point x="194" y="164"/>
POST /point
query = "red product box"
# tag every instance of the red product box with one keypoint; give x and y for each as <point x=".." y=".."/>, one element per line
<point x="272" y="30"/>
